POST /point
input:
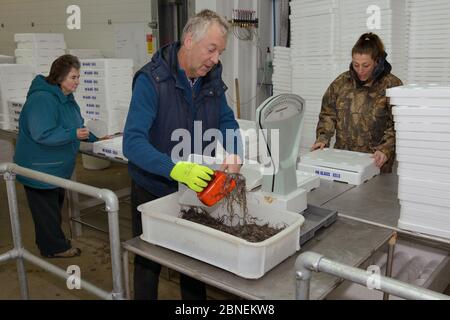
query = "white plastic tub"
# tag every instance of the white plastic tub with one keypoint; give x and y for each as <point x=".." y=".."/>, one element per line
<point x="162" y="226"/>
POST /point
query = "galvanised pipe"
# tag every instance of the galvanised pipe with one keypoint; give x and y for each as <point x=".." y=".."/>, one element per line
<point x="316" y="262"/>
<point x="63" y="274"/>
<point x="111" y="204"/>
<point x="15" y="229"/>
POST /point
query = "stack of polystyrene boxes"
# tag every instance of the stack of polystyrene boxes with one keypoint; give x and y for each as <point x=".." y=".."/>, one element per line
<point x="111" y="148"/>
<point x="104" y="94"/>
<point x="282" y="70"/>
<point x="15" y="80"/>
<point x="429" y="48"/>
<point x="39" y="50"/>
<point x="314" y="41"/>
<point x="15" y="108"/>
<point x="323" y="33"/>
<point x="357" y="16"/>
<point x="422" y="124"/>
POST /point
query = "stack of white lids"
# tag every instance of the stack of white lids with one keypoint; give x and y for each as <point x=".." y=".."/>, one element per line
<point x="422" y="123"/>
<point x="356" y="18"/>
<point x="282" y="70"/>
<point x="39" y="50"/>
<point x="15" y="80"/>
<point x="429" y="48"/>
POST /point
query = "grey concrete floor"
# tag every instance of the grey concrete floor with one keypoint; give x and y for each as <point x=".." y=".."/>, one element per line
<point x="94" y="261"/>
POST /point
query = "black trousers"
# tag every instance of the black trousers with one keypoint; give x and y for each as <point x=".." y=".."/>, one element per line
<point x="146" y="272"/>
<point x="45" y="206"/>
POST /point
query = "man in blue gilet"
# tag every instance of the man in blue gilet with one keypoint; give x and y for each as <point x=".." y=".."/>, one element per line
<point x="180" y="89"/>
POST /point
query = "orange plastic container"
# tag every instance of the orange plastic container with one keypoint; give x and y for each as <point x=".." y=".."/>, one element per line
<point x="214" y="192"/>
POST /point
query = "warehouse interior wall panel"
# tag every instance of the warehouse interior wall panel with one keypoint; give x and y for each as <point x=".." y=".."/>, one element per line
<point x="17" y="16"/>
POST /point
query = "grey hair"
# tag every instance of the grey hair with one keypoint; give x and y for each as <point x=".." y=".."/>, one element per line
<point x="198" y="24"/>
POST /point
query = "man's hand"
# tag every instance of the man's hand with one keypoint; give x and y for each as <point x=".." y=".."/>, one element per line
<point x="379" y="158"/>
<point x="318" y="145"/>
<point x="232" y="164"/>
<point x="82" y="133"/>
<point x="191" y="174"/>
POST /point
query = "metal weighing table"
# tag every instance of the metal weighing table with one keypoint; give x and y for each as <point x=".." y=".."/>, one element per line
<point x="345" y="241"/>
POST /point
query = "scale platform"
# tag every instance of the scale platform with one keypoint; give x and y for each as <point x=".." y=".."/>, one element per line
<point x="315" y="219"/>
<point x="339" y="165"/>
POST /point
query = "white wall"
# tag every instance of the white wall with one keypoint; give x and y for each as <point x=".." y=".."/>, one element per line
<point x="51" y="16"/>
<point x="241" y="58"/>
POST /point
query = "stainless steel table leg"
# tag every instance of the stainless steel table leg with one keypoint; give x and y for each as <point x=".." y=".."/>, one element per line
<point x="126" y="274"/>
<point x="74" y="210"/>
<point x="390" y="260"/>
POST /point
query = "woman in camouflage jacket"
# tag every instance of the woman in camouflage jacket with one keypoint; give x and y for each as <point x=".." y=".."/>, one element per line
<point x="356" y="108"/>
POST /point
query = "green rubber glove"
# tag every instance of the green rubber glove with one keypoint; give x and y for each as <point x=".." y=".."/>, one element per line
<point x="191" y="174"/>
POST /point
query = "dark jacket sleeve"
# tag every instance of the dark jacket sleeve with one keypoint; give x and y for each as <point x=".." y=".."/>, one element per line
<point x="327" y="117"/>
<point x="136" y="146"/>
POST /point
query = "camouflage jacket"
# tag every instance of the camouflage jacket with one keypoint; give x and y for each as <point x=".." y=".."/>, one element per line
<point x="361" y="116"/>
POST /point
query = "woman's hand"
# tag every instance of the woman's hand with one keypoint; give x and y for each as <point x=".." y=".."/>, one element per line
<point x="82" y="133"/>
<point x="318" y="145"/>
<point x="379" y="158"/>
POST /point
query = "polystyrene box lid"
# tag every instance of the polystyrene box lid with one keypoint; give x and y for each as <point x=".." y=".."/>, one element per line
<point x="420" y="111"/>
<point x="419" y="91"/>
<point x="39" y="37"/>
<point x="339" y="159"/>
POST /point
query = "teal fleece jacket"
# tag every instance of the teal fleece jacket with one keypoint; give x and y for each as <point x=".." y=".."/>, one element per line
<point x="47" y="140"/>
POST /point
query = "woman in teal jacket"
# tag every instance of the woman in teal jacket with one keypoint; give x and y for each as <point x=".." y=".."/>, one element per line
<point x="50" y="131"/>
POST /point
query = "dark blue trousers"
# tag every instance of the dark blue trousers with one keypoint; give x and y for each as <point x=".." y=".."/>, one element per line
<point x="146" y="272"/>
<point x="45" y="206"/>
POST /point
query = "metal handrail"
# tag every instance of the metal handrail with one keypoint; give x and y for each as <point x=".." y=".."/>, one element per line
<point x="311" y="261"/>
<point x="9" y="170"/>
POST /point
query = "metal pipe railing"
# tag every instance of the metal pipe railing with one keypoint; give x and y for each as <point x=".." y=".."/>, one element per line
<point x="112" y="207"/>
<point x="310" y="261"/>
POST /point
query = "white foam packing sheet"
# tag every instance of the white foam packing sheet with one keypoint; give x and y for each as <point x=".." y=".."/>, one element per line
<point x="42" y="45"/>
<point x="416" y="151"/>
<point x="421" y="159"/>
<point x="402" y="111"/>
<point x="419" y="227"/>
<point x="423" y="198"/>
<point x="423" y="119"/>
<point x="36" y="61"/>
<point x="419" y="92"/>
<point x="421" y="102"/>
<point x="422" y="126"/>
<point x="406" y="187"/>
<point x="423" y="144"/>
<point x="39" y="52"/>
<point x="425" y="210"/>
<point x="38" y="37"/>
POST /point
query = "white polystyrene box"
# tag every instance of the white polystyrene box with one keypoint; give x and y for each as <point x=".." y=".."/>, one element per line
<point x="106" y="63"/>
<point x="339" y="165"/>
<point x="162" y="226"/>
<point x="111" y="148"/>
<point x="413" y="91"/>
<point x="38" y="37"/>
